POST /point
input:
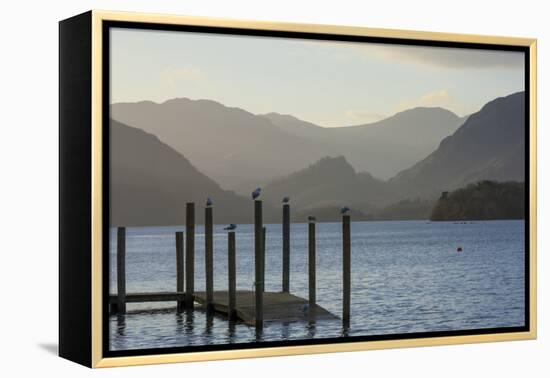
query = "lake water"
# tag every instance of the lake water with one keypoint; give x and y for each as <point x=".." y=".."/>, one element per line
<point x="407" y="276"/>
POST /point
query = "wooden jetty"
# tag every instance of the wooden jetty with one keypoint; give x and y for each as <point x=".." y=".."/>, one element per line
<point x="278" y="306"/>
<point x="253" y="307"/>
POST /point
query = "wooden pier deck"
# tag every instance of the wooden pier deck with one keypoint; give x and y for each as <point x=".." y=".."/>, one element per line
<point x="278" y="306"/>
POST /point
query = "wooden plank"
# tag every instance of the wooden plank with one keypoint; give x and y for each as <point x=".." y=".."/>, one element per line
<point x="150" y="297"/>
<point x="284" y="307"/>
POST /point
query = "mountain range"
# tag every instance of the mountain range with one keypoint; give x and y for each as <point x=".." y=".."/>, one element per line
<point x="366" y="146"/>
<point x="151" y="179"/>
<point x="239" y="149"/>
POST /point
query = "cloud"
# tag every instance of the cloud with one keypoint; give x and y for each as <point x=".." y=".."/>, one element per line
<point x="446" y="57"/>
<point x="440" y="98"/>
<point x="363" y="117"/>
<point x="171" y="76"/>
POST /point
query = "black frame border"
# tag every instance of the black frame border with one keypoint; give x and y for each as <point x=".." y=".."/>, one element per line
<point x="107" y="25"/>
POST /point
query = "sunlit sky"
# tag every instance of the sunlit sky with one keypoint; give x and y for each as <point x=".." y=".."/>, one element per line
<point x="328" y="83"/>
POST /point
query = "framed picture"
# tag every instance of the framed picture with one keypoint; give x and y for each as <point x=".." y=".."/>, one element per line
<point x="235" y="189"/>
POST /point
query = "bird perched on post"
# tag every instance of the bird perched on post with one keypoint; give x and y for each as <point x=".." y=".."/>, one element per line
<point x="231" y="227"/>
<point x="286" y="199"/>
<point x="344" y="210"/>
<point x="311" y="218"/>
<point x="256" y="193"/>
<point x="208" y="202"/>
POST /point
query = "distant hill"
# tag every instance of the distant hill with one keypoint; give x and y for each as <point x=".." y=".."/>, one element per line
<point x="407" y="209"/>
<point x="240" y="150"/>
<point x="490" y="145"/>
<point x="326" y="214"/>
<point x="150" y="184"/>
<point x="486" y="200"/>
<point x="237" y="149"/>
<point x="382" y="148"/>
<point x="328" y="183"/>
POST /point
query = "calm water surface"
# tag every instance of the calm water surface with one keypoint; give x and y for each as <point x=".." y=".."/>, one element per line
<point x="406" y="277"/>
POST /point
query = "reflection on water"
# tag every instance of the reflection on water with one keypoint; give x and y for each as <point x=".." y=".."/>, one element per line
<point x="406" y="277"/>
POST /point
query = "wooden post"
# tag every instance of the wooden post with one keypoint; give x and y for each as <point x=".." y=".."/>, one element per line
<point x="311" y="268"/>
<point x="179" y="267"/>
<point x="209" y="257"/>
<point x="264" y="232"/>
<point x="190" y="255"/>
<point x="286" y="248"/>
<point x="232" y="285"/>
<point x="258" y="262"/>
<point x="347" y="269"/>
<point x="121" y="270"/>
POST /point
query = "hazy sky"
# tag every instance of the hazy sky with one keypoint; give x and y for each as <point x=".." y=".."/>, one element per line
<point x="328" y="83"/>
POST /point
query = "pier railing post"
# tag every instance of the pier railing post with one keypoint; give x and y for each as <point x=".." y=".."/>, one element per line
<point x="209" y="257"/>
<point x="232" y="275"/>
<point x="121" y="270"/>
<point x="346" y="234"/>
<point x="179" y="267"/>
<point x="311" y="269"/>
<point x="190" y="255"/>
<point x="258" y="262"/>
<point x="286" y="248"/>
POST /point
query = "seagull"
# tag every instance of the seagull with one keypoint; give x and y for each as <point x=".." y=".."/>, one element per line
<point x="231" y="227"/>
<point x="286" y="199"/>
<point x="256" y="193"/>
<point x="344" y="210"/>
<point x="209" y="202"/>
<point x="311" y="218"/>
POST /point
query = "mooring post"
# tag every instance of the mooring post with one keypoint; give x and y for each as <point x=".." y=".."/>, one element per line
<point x="258" y="262"/>
<point x="190" y="255"/>
<point x="179" y="267"/>
<point x="311" y="268"/>
<point x="232" y="285"/>
<point x="286" y="248"/>
<point x="209" y="257"/>
<point x="121" y="270"/>
<point x="346" y="234"/>
<point x="264" y="232"/>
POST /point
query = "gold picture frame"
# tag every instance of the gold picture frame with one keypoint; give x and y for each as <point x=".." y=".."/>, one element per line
<point x="90" y="329"/>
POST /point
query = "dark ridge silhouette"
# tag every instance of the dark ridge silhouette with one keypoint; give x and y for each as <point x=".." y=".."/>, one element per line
<point x="150" y="184"/>
<point x="328" y="183"/>
<point x="489" y="146"/>
<point x="485" y="200"/>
